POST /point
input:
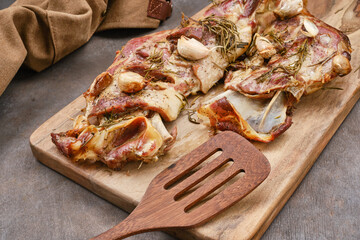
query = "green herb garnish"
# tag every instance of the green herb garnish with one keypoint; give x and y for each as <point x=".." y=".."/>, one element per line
<point x="322" y="62"/>
<point x="357" y="69"/>
<point x="156" y="57"/>
<point x="302" y="51"/>
<point x="331" y="88"/>
<point x="226" y="34"/>
<point x="267" y="75"/>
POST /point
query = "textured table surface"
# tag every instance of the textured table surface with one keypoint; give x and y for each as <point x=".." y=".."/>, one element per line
<point x="38" y="203"/>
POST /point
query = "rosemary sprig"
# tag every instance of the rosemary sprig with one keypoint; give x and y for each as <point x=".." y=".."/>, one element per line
<point x="88" y="140"/>
<point x="339" y="10"/>
<point x="301" y="53"/>
<point x="184" y="101"/>
<point x="267" y="75"/>
<point x="226" y="34"/>
<point x="322" y="62"/>
<point x="156" y="57"/>
<point x="185" y="20"/>
<point x="111" y="118"/>
<point x="331" y="88"/>
<point x="147" y="72"/>
<point x="293" y="68"/>
<point x="156" y="60"/>
<point x="152" y="67"/>
<point x="277" y="39"/>
<point x="252" y="49"/>
<point x="357" y="69"/>
<point x="193" y="101"/>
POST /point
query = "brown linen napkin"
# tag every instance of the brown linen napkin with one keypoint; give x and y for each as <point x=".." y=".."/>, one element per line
<point x="128" y="14"/>
<point x="39" y="33"/>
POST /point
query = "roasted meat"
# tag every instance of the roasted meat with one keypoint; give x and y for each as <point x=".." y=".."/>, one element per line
<point x="138" y="138"/>
<point x="152" y="76"/>
<point x="296" y="55"/>
<point x="292" y="53"/>
<point x="259" y="120"/>
<point x="270" y="53"/>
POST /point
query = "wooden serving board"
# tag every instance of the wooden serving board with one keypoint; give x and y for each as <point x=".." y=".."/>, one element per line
<point x="316" y="119"/>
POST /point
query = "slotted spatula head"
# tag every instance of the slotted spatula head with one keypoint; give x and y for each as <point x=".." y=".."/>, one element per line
<point x="172" y="199"/>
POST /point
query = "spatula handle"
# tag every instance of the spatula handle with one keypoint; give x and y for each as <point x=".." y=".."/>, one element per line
<point x="126" y="228"/>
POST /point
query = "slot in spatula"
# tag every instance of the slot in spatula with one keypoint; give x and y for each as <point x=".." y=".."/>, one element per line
<point x="171" y="200"/>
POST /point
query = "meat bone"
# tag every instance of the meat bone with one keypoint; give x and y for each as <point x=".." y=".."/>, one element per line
<point x="164" y="205"/>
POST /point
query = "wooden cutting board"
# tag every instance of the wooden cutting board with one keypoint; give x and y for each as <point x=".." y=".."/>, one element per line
<point x="316" y="119"/>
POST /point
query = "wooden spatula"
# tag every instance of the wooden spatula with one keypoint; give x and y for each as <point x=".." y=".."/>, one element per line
<point x="171" y="201"/>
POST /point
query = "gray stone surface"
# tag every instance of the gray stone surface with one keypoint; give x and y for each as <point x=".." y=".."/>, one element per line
<point x="38" y="203"/>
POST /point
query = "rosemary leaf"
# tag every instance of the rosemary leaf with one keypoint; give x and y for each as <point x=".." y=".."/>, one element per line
<point x="322" y="62"/>
<point x="357" y="69"/>
<point x="331" y="88"/>
<point x="339" y="10"/>
<point x="226" y="34"/>
<point x="190" y="117"/>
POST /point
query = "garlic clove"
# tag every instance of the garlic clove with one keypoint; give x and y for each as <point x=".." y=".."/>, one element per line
<point x="341" y="65"/>
<point x="288" y="8"/>
<point x="130" y="82"/>
<point x="191" y="48"/>
<point x="311" y="28"/>
<point x="265" y="47"/>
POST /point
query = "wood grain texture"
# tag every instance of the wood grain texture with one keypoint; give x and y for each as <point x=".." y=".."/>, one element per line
<point x="189" y="204"/>
<point x="291" y="155"/>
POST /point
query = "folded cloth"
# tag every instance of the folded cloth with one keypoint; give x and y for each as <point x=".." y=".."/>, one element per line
<point x="128" y="14"/>
<point x="39" y="33"/>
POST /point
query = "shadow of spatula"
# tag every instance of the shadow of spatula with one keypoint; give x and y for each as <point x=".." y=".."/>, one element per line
<point x="166" y="205"/>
